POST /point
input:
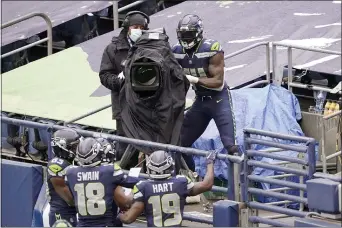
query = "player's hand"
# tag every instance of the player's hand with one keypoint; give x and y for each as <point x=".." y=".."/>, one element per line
<point x="192" y="79"/>
<point x="211" y="157"/>
<point x="119" y="215"/>
<point x="121" y="76"/>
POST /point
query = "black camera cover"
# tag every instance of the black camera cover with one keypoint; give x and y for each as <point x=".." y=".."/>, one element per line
<point x="159" y="116"/>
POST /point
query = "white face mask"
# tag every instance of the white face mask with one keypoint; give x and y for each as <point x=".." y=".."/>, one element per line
<point x="135" y="34"/>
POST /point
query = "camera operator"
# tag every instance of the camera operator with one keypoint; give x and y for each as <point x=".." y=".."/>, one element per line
<point x="112" y="64"/>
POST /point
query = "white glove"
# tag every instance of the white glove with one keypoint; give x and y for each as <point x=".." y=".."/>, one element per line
<point x="192" y="79"/>
<point x="121" y="75"/>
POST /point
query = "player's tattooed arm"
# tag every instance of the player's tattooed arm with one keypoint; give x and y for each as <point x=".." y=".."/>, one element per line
<point x="206" y="184"/>
<point x="62" y="190"/>
<point x="121" y="199"/>
<point x="216" y="71"/>
<point x="133" y="213"/>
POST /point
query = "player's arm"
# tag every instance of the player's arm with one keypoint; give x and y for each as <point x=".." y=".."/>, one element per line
<point x="123" y="180"/>
<point x="62" y="190"/>
<point x="57" y="169"/>
<point x="121" y="199"/>
<point x="208" y="180"/>
<point x="216" y="71"/>
<point x="133" y="213"/>
<point x="137" y="208"/>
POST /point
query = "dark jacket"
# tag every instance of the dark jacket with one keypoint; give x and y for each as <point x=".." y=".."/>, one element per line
<point x="112" y="58"/>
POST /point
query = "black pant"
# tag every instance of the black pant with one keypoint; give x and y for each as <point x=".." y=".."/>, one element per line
<point x="121" y="147"/>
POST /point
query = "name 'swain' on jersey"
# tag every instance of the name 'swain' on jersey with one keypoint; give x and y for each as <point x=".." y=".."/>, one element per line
<point x="92" y="189"/>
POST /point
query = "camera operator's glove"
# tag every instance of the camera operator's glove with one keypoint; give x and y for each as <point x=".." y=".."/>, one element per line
<point x="121" y="76"/>
<point x="192" y="79"/>
<point x="211" y="157"/>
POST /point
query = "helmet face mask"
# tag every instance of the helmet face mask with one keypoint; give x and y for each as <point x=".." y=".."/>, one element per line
<point x="89" y="153"/>
<point x="64" y="144"/>
<point x="160" y="165"/>
<point x="108" y="151"/>
<point x="190" y="31"/>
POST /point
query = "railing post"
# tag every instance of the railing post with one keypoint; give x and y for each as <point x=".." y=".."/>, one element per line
<point x="311" y="158"/>
<point x="289" y="68"/>
<point x="268" y="63"/>
<point x="115" y="14"/>
<point x="231" y="181"/>
<point x="49" y="152"/>
<point x="274" y="64"/>
<point x="323" y="155"/>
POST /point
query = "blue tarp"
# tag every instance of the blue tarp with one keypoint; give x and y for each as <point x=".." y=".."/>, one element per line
<point x="271" y="108"/>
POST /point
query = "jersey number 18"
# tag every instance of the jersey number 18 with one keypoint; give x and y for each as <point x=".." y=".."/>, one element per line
<point x="169" y="204"/>
<point x="90" y="199"/>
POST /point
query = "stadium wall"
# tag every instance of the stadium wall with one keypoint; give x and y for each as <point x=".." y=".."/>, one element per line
<point x="21" y="184"/>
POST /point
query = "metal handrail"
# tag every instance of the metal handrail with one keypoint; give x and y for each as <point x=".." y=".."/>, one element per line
<point x="24" y="18"/>
<point x="339" y="153"/>
<point x="116" y="10"/>
<point x="138" y="142"/>
<point x="332" y="115"/>
<point x="268" y="61"/>
<point x="289" y="64"/>
<point x="305" y="48"/>
<point x="87" y="114"/>
<point x="248" y="191"/>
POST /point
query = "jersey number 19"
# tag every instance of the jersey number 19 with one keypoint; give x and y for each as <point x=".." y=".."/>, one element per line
<point x="90" y="198"/>
<point x="169" y="204"/>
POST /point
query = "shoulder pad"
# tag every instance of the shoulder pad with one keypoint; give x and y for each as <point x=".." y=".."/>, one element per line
<point x="177" y="47"/>
<point x="181" y="177"/>
<point x="117" y="170"/>
<point x="116" y="167"/>
<point x="138" y="187"/>
<point x="135" y="189"/>
<point x="184" y="178"/>
<point x="56" y="166"/>
<point x="140" y="182"/>
<point x="54" y="169"/>
<point x="212" y="45"/>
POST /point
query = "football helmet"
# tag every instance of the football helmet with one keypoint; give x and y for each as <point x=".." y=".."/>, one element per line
<point x="108" y="150"/>
<point x="190" y="31"/>
<point x="64" y="143"/>
<point x="160" y="165"/>
<point x="89" y="152"/>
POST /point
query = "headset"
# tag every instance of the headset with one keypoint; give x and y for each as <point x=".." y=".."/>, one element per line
<point x="125" y="23"/>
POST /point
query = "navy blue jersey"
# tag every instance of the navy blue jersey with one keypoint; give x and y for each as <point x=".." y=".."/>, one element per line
<point x="93" y="189"/>
<point x="56" y="169"/>
<point x="197" y="64"/>
<point x="164" y="200"/>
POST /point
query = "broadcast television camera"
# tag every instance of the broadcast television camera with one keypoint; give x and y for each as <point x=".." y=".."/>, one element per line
<point x="146" y="74"/>
<point x="152" y="99"/>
